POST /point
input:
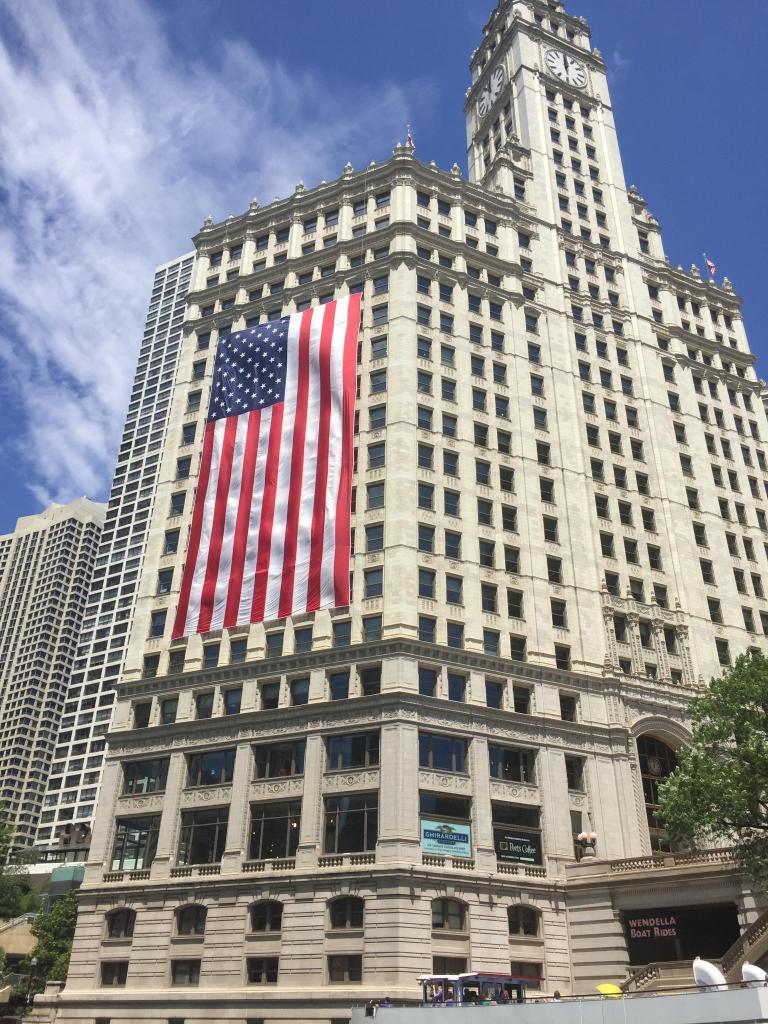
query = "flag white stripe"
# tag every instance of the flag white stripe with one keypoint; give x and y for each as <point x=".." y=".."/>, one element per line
<point x="230" y="521"/>
<point x="198" y="580"/>
<point x="277" y="550"/>
<point x="327" y="586"/>
<point x="309" y="474"/>
<point x="254" y="522"/>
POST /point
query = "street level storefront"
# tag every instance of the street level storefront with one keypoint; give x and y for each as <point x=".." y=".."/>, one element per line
<point x="680" y="933"/>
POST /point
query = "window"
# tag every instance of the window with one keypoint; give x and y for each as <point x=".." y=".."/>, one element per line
<point x="448" y="915"/>
<point x="354" y="750"/>
<point x="574" y="772"/>
<point x="442" y="753"/>
<point x="299" y="691"/>
<point x="338" y="685"/>
<point x="427" y="627"/>
<point x="494" y="694"/>
<point x="145" y="776"/>
<point x="120" y="923"/>
<point x="157" y="624"/>
<point x="266" y="916"/>
<point x="523" y="920"/>
<point x="346" y="912"/>
<point x="457" y="686"/>
<point x="374" y="537"/>
<point x="559" y="616"/>
<point x="204" y="705"/>
<point x="135" y="842"/>
<point x="168" y="708"/>
<point x="454" y="634"/>
<point x="427" y="682"/>
<point x="280" y="760"/>
<point x="262" y="970"/>
<point x="203" y="833"/>
<point x="345" y="968"/>
<point x="511" y="763"/>
<point x="568" y="704"/>
<point x="211" y="655"/>
<point x="114" y="973"/>
<point x="274" y="829"/>
<point x="185" y="972"/>
<point x="190" y="920"/>
<point x="351" y="823"/>
<point x="232" y="701"/>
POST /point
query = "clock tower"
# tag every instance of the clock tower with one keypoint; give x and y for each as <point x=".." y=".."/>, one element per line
<point x="539" y="108"/>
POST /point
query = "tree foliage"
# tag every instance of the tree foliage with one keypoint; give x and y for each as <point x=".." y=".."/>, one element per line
<point x="54" y="930"/>
<point x="16" y="896"/>
<point x="719" y="792"/>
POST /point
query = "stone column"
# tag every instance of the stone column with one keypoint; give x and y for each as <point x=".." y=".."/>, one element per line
<point x="311" y="832"/>
<point x="166" y="851"/>
<point x="482" y="829"/>
<point x="399" y="793"/>
<point x="235" y="848"/>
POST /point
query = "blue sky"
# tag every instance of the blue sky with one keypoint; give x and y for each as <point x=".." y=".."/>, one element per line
<point x="123" y="125"/>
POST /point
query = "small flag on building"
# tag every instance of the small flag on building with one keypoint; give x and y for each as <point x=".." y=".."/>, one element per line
<point x="710" y="265"/>
<point x="409" y="139"/>
<point x="270" y="532"/>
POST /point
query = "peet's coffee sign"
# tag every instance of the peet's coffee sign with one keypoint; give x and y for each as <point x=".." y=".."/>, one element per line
<point x="662" y="927"/>
<point x="521" y="847"/>
<point x="680" y="933"/>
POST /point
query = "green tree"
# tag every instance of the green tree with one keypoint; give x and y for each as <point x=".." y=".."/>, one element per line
<point x="54" y="930"/>
<point x="719" y="791"/>
<point x="14" y="884"/>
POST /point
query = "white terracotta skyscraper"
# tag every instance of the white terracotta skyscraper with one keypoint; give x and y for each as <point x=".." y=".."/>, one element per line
<point x="559" y="524"/>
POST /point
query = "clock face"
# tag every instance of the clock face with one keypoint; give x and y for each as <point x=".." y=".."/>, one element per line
<point x="490" y="93"/>
<point x="566" y="68"/>
<point x="496" y="82"/>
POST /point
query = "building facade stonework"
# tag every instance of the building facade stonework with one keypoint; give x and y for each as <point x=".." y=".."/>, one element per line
<point x="560" y="532"/>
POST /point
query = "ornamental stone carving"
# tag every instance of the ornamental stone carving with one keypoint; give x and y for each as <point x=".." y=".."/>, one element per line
<point x="207" y="795"/>
<point x="350" y="780"/>
<point x="276" y="787"/>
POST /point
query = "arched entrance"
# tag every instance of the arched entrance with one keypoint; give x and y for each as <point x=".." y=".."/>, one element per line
<point x="657" y="761"/>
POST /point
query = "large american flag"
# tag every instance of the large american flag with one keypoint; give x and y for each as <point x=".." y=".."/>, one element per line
<point x="270" y="532"/>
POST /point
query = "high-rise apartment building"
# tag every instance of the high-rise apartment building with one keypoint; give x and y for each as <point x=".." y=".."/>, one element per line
<point x="46" y="566"/>
<point x="560" y="532"/>
<point x="74" y="763"/>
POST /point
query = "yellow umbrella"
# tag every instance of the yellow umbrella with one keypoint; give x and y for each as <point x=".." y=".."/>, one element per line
<point x="610" y="990"/>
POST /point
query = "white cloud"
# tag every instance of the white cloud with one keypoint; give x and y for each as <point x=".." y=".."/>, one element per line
<point x="618" y="66"/>
<point x="112" y="150"/>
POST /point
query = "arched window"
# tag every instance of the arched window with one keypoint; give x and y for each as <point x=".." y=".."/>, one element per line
<point x="346" y="912"/>
<point x="266" y="916"/>
<point x="190" y="920"/>
<point x="523" y="920"/>
<point x="120" y="923"/>
<point x="449" y="915"/>
<point x="657" y="761"/>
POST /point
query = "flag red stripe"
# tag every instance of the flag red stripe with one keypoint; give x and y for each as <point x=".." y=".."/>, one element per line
<point x="217" y="526"/>
<point x="243" y="518"/>
<point x="193" y="545"/>
<point x="343" y="506"/>
<point x="321" y="480"/>
<point x="285" y="604"/>
<point x="267" y="515"/>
